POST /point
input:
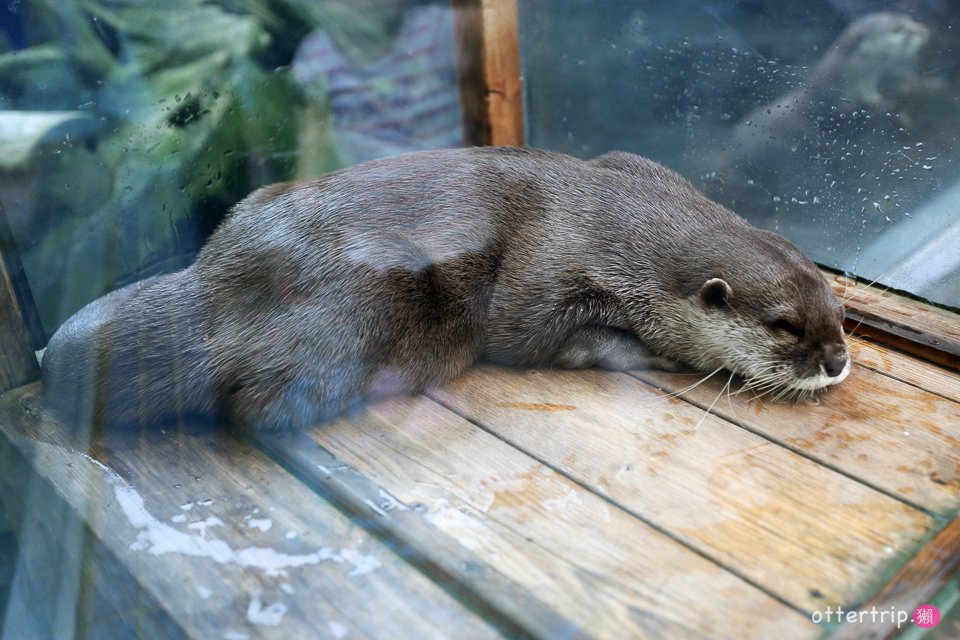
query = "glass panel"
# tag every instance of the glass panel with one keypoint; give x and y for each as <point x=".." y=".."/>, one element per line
<point x="828" y="121"/>
<point x="127" y="131"/>
<point x="129" y="128"/>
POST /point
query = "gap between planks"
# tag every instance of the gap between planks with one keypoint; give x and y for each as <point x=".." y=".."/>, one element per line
<point x="740" y="499"/>
<point x="498" y="501"/>
<point x="619" y="506"/>
<point x="514" y="608"/>
<point x="909" y="369"/>
<point x="702" y="404"/>
<point x="887" y="433"/>
<point x="208" y="474"/>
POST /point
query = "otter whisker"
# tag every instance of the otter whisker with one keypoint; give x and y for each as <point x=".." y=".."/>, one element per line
<point x="675" y="394"/>
<point x="762" y="374"/>
<point x="845" y="298"/>
<point x="709" y="409"/>
<point x="763" y="381"/>
<point x="726" y="388"/>
<point x="766" y="392"/>
<point x="766" y="384"/>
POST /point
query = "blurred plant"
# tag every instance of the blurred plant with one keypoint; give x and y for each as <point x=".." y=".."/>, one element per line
<point x="194" y="107"/>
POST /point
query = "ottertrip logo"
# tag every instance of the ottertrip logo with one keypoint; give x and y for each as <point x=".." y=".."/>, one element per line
<point x="925" y="616"/>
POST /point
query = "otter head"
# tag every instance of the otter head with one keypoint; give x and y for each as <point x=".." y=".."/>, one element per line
<point x="760" y="308"/>
<point x="873" y="62"/>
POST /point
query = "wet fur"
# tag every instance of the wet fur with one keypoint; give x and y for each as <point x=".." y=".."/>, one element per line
<point x="397" y="274"/>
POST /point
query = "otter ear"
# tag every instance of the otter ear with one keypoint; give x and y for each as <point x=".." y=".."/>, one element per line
<point x="715" y="292"/>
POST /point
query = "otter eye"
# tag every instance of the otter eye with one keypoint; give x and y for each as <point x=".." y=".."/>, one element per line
<point x="784" y="324"/>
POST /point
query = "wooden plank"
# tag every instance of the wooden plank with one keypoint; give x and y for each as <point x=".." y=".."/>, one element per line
<point x="226" y="540"/>
<point x="48" y="559"/>
<point x="889" y="434"/>
<point x="803" y="532"/>
<point x="901" y="322"/>
<point x="511" y="607"/>
<point x="910" y="369"/>
<point x="21" y="288"/>
<point x="491" y="100"/>
<point x="18" y="364"/>
<point x="608" y="571"/>
<point x="917" y="582"/>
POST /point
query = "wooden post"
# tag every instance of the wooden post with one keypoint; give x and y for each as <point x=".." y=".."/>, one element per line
<point x="18" y="364"/>
<point x="488" y="60"/>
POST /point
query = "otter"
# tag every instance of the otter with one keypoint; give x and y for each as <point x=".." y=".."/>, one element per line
<point x="778" y="150"/>
<point x="397" y="274"/>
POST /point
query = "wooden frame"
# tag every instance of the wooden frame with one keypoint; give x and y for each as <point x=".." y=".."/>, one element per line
<point x="19" y="323"/>
<point x="487" y="33"/>
<point x="915" y="583"/>
<point x="909" y="325"/>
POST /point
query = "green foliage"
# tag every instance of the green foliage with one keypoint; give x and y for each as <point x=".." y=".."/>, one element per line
<point x="195" y="107"/>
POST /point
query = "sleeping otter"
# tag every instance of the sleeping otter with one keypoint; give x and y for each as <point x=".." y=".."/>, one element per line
<point x="397" y="274"/>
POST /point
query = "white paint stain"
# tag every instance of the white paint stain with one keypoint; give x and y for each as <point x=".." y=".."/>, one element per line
<point x="468" y="530"/>
<point x="375" y="508"/>
<point x="285" y="587"/>
<point x="263" y="524"/>
<point x="235" y="635"/>
<point x="203" y="525"/>
<point x="203" y="591"/>
<point x="290" y="535"/>
<point x="361" y="563"/>
<point x="159" y="538"/>
<point x="179" y="518"/>
<point x="187" y="506"/>
<point x="270" y="615"/>
<point x="338" y="630"/>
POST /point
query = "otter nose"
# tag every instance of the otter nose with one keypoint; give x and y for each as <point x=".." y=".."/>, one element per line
<point x="835" y="364"/>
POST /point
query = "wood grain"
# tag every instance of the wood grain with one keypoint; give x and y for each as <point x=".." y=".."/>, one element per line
<point x="896" y="320"/>
<point x="801" y="531"/>
<point x="134" y="496"/>
<point x="20" y="287"/>
<point x="613" y="574"/>
<point x="902" y="366"/>
<point x="500" y="600"/>
<point x="491" y="100"/>
<point x="916" y="583"/>
<point x="18" y="364"/>
<point x="889" y="434"/>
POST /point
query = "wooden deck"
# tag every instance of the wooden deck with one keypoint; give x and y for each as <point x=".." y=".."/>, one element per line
<point x="538" y="503"/>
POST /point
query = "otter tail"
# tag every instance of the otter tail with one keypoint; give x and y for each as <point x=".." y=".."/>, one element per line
<point x="136" y="356"/>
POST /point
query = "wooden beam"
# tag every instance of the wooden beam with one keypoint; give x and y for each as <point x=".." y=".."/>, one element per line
<point x="21" y="289"/>
<point x="909" y="325"/>
<point x="488" y="58"/>
<point x="916" y="583"/>
<point x="305" y="561"/>
<point x="18" y="364"/>
<point x="503" y="603"/>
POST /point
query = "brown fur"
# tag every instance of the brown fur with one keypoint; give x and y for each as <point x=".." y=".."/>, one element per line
<point x="397" y="274"/>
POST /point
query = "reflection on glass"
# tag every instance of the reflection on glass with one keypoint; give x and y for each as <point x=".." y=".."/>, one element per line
<point x="832" y="122"/>
<point x="128" y="129"/>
